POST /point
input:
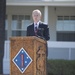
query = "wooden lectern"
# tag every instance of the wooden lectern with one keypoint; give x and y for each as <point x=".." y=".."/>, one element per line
<point x="27" y="56"/>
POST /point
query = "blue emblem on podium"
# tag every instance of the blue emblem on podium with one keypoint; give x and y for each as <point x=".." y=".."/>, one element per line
<point x="22" y="60"/>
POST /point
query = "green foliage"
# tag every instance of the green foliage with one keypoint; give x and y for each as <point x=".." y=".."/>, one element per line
<point x="61" y="67"/>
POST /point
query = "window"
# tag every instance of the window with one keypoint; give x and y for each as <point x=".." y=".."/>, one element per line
<point x="65" y="28"/>
<point x="19" y="24"/>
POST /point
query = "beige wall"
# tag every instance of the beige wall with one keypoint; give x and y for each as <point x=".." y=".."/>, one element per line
<point x="22" y="10"/>
<point x="58" y="11"/>
<point x="53" y="13"/>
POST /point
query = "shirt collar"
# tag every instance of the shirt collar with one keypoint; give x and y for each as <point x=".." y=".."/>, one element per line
<point x="37" y="24"/>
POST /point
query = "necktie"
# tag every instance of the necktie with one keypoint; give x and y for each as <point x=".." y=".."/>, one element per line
<point x="36" y="30"/>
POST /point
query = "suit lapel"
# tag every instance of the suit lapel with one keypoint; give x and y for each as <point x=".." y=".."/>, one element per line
<point x="40" y="24"/>
<point x="33" y="29"/>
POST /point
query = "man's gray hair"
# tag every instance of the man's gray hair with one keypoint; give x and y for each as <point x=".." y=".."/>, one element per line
<point x="38" y="11"/>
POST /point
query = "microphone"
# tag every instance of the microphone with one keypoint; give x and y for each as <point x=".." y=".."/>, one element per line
<point x="40" y="33"/>
<point x="40" y="30"/>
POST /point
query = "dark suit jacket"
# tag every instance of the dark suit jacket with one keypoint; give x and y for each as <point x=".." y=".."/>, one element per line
<point x="43" y="31"/>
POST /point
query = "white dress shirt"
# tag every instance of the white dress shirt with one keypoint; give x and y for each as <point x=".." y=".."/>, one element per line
<point x="36" y="25"/>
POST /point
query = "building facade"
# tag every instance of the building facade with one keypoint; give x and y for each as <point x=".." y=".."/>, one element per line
<point x="58" y="14"/>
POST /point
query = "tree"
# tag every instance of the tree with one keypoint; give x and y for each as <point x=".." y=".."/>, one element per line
<point x="2" y="32"/>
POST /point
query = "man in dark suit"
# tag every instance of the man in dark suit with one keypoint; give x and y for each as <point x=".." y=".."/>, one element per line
<point x="38" y="28"/>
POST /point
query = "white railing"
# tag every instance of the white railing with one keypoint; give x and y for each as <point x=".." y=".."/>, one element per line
<point x="6" y="60"/>
<point x="62" y="50"/>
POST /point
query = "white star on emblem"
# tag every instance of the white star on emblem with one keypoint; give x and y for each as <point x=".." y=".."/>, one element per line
<point x="22" y="68"/>
<point x="27" y="57"/>
<point x="22" y="51"/>
<point x="16" y="60"/>
<point x="25" y="61"/>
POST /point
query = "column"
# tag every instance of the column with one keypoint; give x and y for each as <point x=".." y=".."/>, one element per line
<point x="46" y="14"/>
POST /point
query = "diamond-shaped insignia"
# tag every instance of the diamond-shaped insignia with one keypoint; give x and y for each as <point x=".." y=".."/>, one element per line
<point x="22" y="60"/>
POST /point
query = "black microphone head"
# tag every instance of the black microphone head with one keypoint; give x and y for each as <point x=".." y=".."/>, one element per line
<point x="40" y="31"/>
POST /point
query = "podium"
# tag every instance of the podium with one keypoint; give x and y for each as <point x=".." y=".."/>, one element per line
<point x="27" y="56"/>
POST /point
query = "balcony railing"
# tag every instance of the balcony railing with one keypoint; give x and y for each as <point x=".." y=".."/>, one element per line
<point x="56" y="50"/>
<point x="38" y="0"/>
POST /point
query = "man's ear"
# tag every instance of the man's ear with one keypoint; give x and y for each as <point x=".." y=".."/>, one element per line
<point x="40" y="17"/>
